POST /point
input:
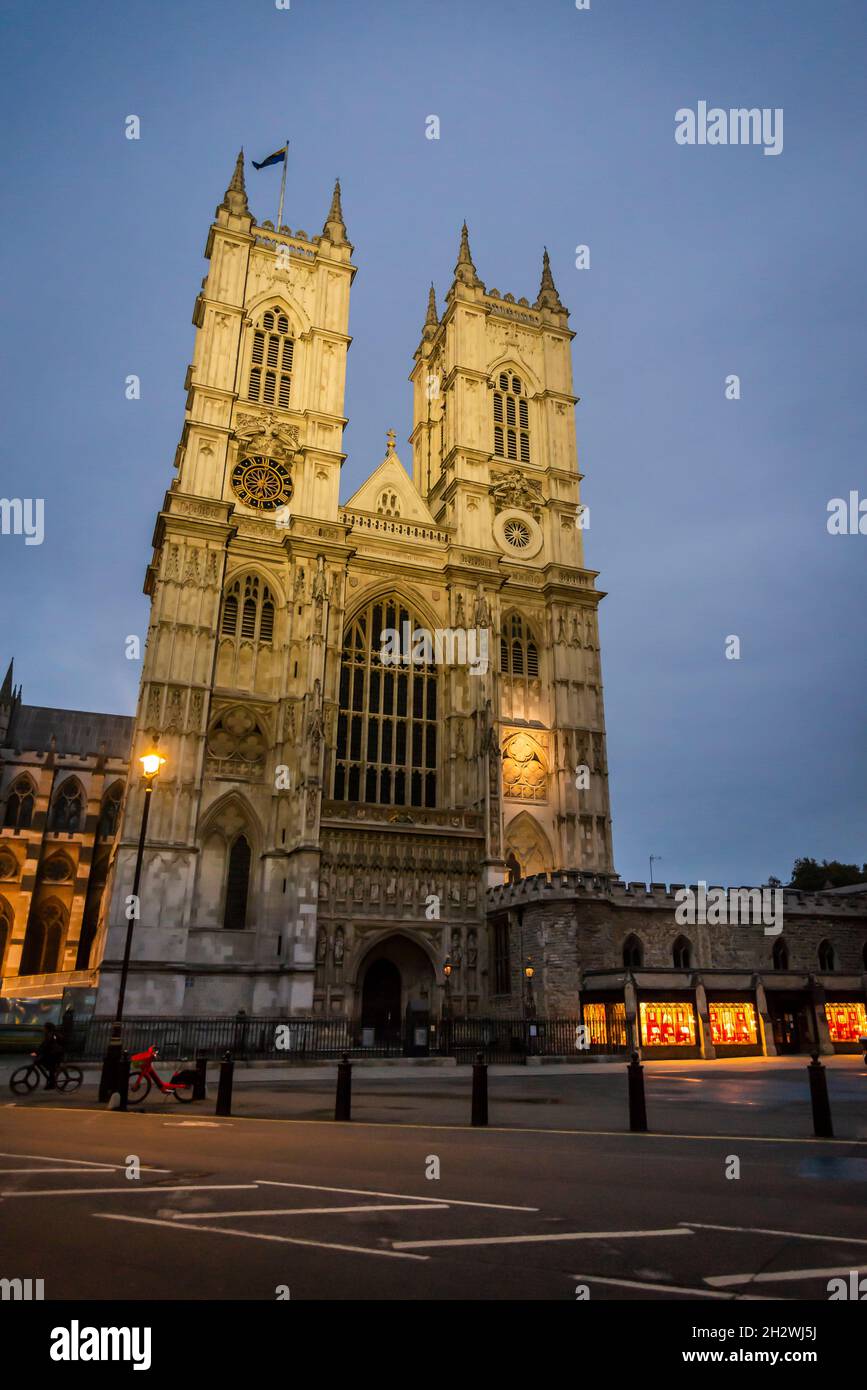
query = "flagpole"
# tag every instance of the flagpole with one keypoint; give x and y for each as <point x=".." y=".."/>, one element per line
<point x="283" y="186"/>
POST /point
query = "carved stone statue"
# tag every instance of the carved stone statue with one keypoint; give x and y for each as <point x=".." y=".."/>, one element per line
<point x="481" y="611"/>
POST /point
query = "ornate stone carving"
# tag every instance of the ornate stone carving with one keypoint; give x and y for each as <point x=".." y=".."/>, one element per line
<point x="514" y="490"/>
<point x="525" y="768"/>
<point x="266" y="434"/>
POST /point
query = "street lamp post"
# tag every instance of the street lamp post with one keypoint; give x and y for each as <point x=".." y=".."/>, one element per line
<point x="529" y="1001"/>
<point x="447" y="1003"/>
<point x="151" y="764"/>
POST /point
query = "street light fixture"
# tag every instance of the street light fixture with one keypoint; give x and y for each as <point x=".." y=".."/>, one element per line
<point x="151" y="763"/>
<point x="529" y="972"/>
<point x="447" y="976"/>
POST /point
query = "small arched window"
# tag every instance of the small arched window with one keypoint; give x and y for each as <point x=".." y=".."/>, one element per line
<point x="237" y="885"/>
<point x="248" y="611"/>
<point x="682" y="954"/>
<point x="19" y="805"/>
<point x="270" y="379"/>
<point x="511" y="418"/>
<point x="780" y="955"/>
<point x="6" y="920"/>
<point x="827" y="957"/>
<point x="42" y="945"/>
<point x="633" y="953"/>
<point x="519" y="652"/>
<point x="388" y="503"/>
<point x="67" y="812"/>
<point x="109" y="812"/>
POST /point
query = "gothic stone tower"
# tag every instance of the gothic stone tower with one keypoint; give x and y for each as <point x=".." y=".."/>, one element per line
<point x="326" y="825"/>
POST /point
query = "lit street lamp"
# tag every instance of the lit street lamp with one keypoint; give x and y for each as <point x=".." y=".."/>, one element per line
<point x="447" y="994"/>
<point x="529" y="972"/>
<point x="151" y="763"/>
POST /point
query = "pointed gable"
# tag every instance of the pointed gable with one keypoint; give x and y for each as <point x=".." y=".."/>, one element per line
<point x="390" y="491"/>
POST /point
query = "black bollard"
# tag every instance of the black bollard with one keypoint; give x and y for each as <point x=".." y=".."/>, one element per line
<point x="822" y="1127"/>
<point x="201" y="1081"/>
<point x="122" y="1078"/>
<point x="637" y="1106"/>
<point x="480" y="1091"/>
<point x="224" y="1089"/>
<point x="343" y="1099"/>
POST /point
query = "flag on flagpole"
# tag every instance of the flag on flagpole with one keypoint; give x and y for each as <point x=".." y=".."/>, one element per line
<point x="278" y="157"/>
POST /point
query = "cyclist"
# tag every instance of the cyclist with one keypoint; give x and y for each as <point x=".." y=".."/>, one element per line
<point x="50" y="1054"/>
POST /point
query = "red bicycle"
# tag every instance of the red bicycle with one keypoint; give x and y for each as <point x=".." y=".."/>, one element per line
<point x="181" y="1085"/>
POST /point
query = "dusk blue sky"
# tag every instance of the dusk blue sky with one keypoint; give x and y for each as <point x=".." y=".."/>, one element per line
<point x="708" y="516"/>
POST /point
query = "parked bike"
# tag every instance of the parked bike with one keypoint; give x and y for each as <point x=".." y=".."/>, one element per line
<point x="140" y="1082"/>
<point x="26" y="1078"/>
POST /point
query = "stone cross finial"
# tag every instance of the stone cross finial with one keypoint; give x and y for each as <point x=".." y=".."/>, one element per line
<point x="391" y="437"/>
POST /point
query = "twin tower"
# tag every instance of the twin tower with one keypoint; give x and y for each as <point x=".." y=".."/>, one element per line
<point x="326" y="825"/>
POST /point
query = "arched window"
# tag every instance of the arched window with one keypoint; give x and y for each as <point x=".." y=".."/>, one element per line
<point x="248" y="611"/>
<point x="67" y="812"/>
<point x="386" y="751"/>
<point x="633" y="953"/>
<point x="237" y="885"/>
<point x="827" y="958"/>
<point x="41" y="954"/>
<point x="109" y="812"/>
<point x="519" y="653"/>
<point x="270" y="379"/>
<point x="511" y="418"/>
<point x="682" y="954"/>
<point x="19" y="805"/>
<point x="6" y="920"/>
<point x="388" y="503"/>
<point x="780" y="955"/>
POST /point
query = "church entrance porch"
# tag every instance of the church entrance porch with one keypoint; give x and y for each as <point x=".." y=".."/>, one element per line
<point x="397" y="988"/>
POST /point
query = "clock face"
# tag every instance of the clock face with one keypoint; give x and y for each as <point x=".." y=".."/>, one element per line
<point x="261" y="483"/>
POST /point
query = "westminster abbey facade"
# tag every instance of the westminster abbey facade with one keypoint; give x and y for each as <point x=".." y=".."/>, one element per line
<point x="385" y="794"/>
<point x="327" y="821"/>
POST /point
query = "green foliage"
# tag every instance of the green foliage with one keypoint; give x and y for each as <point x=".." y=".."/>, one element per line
<point x="813" y="877"/>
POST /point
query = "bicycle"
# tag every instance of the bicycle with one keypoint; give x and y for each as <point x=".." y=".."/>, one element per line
<point x="181" y="1085"/>
<point x="26" y="1079"/>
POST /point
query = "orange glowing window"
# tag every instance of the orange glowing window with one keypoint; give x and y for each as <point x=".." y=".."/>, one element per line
<point x="606" y="1024"/>
<point x="846" y="1022"/>
<point x="732" y="1024"/>
<point x="667" y="1025"/>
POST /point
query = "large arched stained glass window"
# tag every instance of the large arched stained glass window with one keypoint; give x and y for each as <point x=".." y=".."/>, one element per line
<point x="386" y="750"/>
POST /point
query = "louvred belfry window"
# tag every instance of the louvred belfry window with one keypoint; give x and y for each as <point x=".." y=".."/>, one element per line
<point x="248" y="611"/>
<point x="386" y="751"/>
<point x="511" y="418"/>
<point x="270" y="380"/>
<point x="519" y="652"/>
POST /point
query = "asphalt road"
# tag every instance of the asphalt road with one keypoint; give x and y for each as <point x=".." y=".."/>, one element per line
<point x="748" y="1096"/>
<point x="242" y="1208"/>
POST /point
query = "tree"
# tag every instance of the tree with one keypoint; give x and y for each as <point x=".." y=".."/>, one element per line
<point x="812" y="877"/>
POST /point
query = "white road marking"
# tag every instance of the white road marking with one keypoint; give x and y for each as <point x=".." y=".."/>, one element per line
<point x="258" y="1235"/>
<point x="670" y="1288"/>
<point x="92" y="1163"/>
<point x="192" y="1124"/>
<point x="310" y="1211"/>
<point x="729" y="1280"/>
<point x="130" y="1187"/>
<point x="94" y="1172"/>
<point x="403" y="1196"/>
<point x="766" y="1231"/>
<point x="529" y="1240"/>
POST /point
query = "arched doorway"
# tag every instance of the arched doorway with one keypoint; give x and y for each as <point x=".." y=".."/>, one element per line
<point x="397" y="993"/>
<point x="381" y="1000"/>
